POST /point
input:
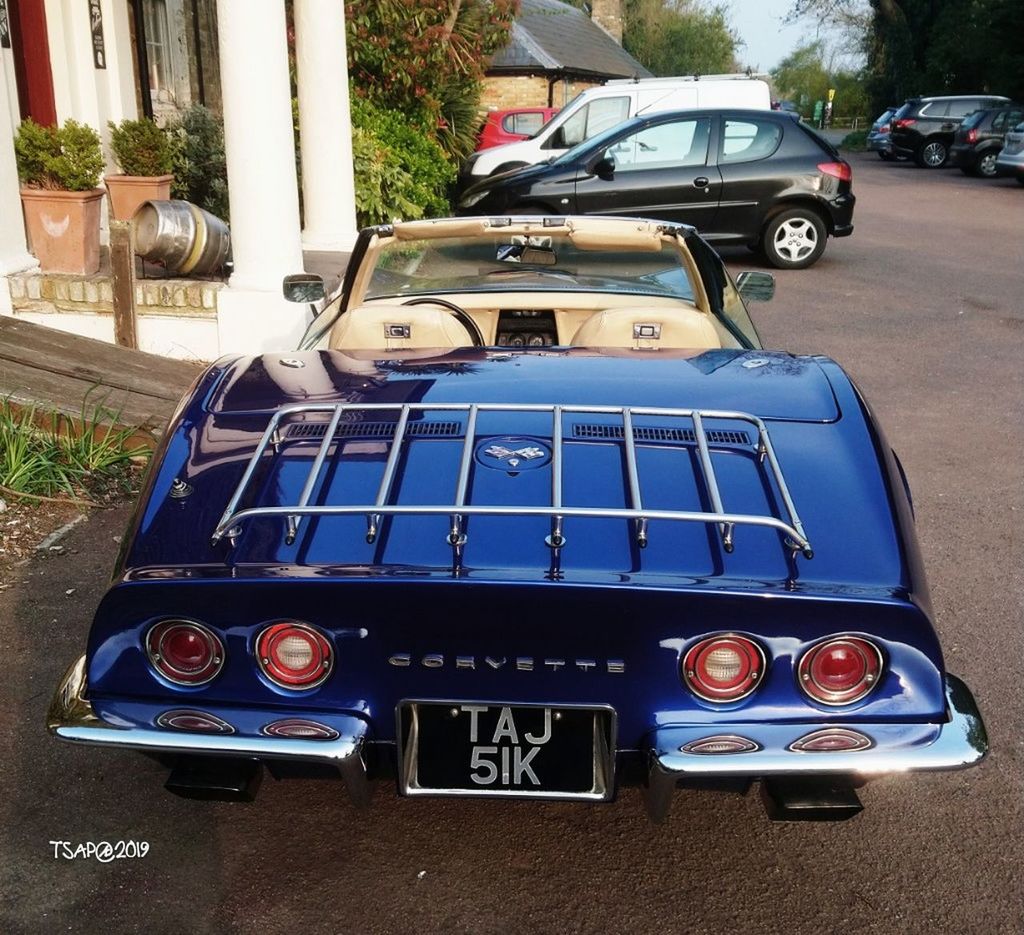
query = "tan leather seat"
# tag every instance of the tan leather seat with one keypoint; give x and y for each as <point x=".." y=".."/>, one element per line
<point x="398" y="327"/>
<point x="646" y="328"/>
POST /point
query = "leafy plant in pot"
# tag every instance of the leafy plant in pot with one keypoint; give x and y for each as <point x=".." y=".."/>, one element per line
<point x="59" y="169"/>
<point x="145" y="154"/>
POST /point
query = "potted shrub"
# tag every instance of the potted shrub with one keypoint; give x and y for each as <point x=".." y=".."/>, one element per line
<point x="60" y="170"/>
<point x="145" y="155"/>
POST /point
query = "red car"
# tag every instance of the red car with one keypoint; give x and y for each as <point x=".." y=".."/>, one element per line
<point x="507" y="126"/>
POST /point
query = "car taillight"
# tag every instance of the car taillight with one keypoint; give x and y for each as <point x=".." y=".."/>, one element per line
<point x="840" y="671"/>
<point x="294" y="655"/>
<point x="831" y="740"/>
<point x="972" y="136"/>
<point x="838" y="170"/>
<point x="884" y="128"/>
<point x="198" y="721"/>
<point x="723" y="668"/>
<point x="904" y="122"/>
<point x="300" y="729"/>
<point x="184" y="652"/>
<point x="720" y="744"/>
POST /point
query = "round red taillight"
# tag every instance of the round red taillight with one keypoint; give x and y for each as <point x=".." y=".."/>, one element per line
<point x="723" y="668"/>
<point x="184" y="652"/>
<point x="294" y="655"/>
<point x="840" y="671"/>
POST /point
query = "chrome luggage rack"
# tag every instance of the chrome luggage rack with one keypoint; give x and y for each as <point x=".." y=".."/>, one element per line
<point x="795" y="539"/>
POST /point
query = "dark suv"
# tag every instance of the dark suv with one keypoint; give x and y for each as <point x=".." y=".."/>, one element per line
<point x="923" y="127"/>
<point x="754" y="177"/>
<point x="977" y="143"/>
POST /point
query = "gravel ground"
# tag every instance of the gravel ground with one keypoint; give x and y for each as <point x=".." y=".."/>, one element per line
<point x="924" y="307"/>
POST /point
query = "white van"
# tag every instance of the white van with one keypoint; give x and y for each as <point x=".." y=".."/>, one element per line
<point x="596" y="109"/>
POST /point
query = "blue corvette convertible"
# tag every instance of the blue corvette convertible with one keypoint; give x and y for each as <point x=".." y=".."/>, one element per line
<point x="531" y="514"/>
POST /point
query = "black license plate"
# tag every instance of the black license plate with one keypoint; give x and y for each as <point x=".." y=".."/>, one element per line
<point x="466" y="748"/>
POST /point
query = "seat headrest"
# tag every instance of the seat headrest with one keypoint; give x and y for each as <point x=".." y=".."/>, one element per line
<point x="398" y="327"/>
<point x="646" y="328"/>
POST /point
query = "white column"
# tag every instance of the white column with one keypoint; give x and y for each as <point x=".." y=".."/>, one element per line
<point x="262" y="185"/>
<point x="325" y="126"/>
<point x="14" y="255"/>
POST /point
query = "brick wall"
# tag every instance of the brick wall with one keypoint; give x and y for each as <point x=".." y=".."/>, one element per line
<point x="507" y="91"/>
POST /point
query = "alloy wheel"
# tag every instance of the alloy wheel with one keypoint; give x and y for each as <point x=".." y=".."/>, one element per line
<point x="987" y="164"/>
<point x="795" y="239"/>
<point x="934" y="154"/>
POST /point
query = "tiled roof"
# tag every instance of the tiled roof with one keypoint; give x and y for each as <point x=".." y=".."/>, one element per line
<point x="552" y="36"/>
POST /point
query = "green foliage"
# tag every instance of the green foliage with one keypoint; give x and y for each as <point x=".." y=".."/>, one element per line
<point x="198" y="160"/>
<point x="679" y="37"/>
<point x="45" y="453"/>
<point x="141" y="147"/>
<point x="856" y="141"/>
<point x="68" y="158"/>
<point x="400" y="172"/>
<point x="426" y="60"/>
<point x="804" y="77"/>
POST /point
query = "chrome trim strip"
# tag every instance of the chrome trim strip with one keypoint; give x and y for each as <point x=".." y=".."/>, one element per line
<point x="604" y="754"/>
<point x="314" y="472"/>
<point x="384" y="491"/>
<point x="792" y="528"/>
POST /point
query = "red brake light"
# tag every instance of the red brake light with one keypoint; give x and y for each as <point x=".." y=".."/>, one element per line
<point x="184" y="652"/>
<point x="723" y="668"/>
<point x="904" y="122"/>
<point x="294" y="655"/>
<point x="838" y="170"/>
<point x="972" y="135"/>
<point x="884" y="128"/>
<point x="840" y="671"/>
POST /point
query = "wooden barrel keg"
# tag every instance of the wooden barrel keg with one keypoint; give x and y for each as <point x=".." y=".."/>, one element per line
<point x="184" y="238"/>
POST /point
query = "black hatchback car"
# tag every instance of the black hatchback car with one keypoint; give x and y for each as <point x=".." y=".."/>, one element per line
<point x="977" y="143"/>
<point x="739" y="176"/>
<point x="923" y="128"/>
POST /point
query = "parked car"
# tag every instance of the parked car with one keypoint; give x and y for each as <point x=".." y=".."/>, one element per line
<point x="878" y="136"/>
<point x="923" y="128"/>
<point x="739" y="176"/>
<point x="533" y="516"/>
<point x="787" y="107"/>
<point x="596" y="109"/>
<point x="509" y="126"/>
<point x="979" y="139"/>
<point x="1010" y="161"/>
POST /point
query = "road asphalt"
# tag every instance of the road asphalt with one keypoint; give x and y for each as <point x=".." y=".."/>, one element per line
<point x="924" y="305"/>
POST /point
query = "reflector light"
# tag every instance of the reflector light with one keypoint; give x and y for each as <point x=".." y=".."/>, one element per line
<point x="832" y="740"/>
<point x="972" y="136"/>
<point x="723" y="668"/>
<point x="294" y="655"/>
<point x="840" y="671"/>
<point x="197" y="721"/>
<point x="184" y="652"/>
<point x="722" y="743"/>
<point x="300" y="729"/>
<point x="838" y="170"/>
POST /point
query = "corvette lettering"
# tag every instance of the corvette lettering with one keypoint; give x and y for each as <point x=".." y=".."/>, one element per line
<point x="517" y="663"/>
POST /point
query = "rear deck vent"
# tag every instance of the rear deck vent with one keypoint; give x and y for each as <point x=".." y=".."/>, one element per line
<point x="662" y="434"/>
<point x="312" y="430"/>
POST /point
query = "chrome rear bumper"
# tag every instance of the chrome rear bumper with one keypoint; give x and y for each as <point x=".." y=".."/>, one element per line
<point x="958" y="743"/>
<point x="71" y="717"/>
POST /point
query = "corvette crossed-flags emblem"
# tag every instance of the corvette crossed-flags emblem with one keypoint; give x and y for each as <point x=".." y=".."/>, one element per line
<point x="513" y="457"/>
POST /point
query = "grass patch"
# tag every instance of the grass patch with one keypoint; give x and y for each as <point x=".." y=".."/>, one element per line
<point x="47" y="454"/>
<point x="857" y="141"/>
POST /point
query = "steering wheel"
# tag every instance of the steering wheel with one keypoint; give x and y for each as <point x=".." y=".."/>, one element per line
<point x="461" y="316"/>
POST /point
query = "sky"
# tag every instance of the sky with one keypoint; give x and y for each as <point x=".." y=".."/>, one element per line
<point x="766" y="40"/>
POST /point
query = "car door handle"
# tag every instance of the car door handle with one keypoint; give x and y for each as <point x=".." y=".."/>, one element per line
<point x="702" y="181"/>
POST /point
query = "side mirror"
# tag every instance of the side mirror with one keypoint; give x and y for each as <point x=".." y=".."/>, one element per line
<point x="307" y="288"/>
<point x="756" y="286"/>
<point x="603" y="168"/>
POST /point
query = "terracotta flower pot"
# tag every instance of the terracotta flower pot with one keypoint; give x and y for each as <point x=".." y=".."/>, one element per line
<point x="64" y="228"/>
<point x="127" y="192"/>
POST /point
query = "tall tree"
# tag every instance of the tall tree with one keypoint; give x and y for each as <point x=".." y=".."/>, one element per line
<point x="679" y="37"/>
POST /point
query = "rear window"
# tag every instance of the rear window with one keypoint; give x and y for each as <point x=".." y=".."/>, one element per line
<point x="974" y="119"/>
<point x="905" y="109"/>
<point x="523" y="123"/>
